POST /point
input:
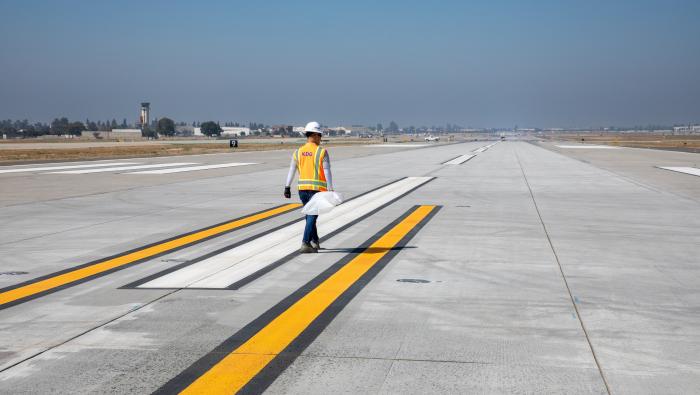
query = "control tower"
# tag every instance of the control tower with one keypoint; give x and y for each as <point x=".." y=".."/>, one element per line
<point x="144" y="120"/>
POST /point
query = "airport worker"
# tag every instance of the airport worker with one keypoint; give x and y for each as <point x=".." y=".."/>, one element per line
<point x="314" y="166"/>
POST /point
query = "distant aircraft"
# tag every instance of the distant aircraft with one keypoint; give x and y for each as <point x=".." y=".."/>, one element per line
<point x="432" y="138"/>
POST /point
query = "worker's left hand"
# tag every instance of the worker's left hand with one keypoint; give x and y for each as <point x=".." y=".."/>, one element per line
<point x="288" y="192"/>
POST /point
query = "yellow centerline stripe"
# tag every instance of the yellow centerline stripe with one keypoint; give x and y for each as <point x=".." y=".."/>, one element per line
<point x="109" y="264"/>
<point x="240" y="366"/>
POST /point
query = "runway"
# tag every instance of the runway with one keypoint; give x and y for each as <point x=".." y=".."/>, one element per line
<point x="475" y="267"/>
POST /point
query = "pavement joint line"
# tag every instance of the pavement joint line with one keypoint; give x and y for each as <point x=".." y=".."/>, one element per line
<point x="398" y="359"/>
<point x="563" y="276"/>
<point x="31" y="289"/>
<point x="252" y="358"/>
<point x="85" y="332"/>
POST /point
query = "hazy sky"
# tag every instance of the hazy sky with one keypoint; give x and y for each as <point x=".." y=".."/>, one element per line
<point x="478" y="63"/>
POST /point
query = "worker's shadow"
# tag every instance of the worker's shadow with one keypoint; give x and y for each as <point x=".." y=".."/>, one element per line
<point x="358" y="250"/>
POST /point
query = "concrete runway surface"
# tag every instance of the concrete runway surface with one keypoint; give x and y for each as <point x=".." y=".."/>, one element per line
<point x="476" y="267"/>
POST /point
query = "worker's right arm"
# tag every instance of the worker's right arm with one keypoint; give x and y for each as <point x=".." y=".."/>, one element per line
<point x="290" y="178"/>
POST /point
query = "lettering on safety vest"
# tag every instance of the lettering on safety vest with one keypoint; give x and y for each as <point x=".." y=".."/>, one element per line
<point x="309" y="158"/>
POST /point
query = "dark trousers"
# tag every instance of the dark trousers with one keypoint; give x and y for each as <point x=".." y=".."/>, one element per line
<point x="310" y="232"/>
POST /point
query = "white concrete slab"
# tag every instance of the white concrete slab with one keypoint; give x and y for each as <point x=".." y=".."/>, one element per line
<point x="194" y="168"/>
<point x="48" y="168"/>
<point x="220" y="271"/>
<point x="122" y="168"/>
<point x="397" y="145"/>
<point x="687" y="170"/>
<point x="587" y="146"/>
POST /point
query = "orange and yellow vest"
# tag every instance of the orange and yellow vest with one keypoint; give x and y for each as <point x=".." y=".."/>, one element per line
<point x="309" y="158"/>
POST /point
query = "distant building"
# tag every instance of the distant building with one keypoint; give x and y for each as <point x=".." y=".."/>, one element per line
<point x="145" y="115"/>
<point x="235" y="131"/>
<point x="352" y="129"/>
<point x="184" y="130"/>
<point x="686" y="129"/>
<point x="226" y="131"/>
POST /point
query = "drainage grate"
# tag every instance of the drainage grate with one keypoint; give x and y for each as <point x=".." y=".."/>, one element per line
<point x="413" y="280"/>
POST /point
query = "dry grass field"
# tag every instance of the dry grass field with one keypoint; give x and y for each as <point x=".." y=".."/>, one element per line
<point x="688" y="143"/>
<point x="68" y="153"/>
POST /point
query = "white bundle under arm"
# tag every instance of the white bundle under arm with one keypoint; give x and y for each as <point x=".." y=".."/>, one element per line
<point x="326" y="170"/>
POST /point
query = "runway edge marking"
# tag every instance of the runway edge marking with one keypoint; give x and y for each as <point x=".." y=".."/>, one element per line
<point x="44" y="285"/>
<point x="251" y="359"/>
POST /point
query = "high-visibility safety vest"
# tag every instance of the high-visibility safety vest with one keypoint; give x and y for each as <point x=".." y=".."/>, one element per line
<point x="309" y="158"/>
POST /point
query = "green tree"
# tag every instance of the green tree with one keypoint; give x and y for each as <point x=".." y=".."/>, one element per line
<point x="76" y="128"/>
<point x="211" y="128"/>
<point x="166" y="127"/>
<point x="60" y="126"/>
<point x="148" y="132"/>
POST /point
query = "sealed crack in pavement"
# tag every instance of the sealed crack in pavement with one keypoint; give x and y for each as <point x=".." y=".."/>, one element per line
<point x="563" y="276"/>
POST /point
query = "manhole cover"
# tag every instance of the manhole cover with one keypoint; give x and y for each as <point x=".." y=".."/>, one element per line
<point x="413" y="280"/>
<point x="12" y="273"/>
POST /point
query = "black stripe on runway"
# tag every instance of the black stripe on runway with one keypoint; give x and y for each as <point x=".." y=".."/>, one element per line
<point x="252" y="277"/>
<point x="468" y="159"/>
<point x="136" y="262"/>
<point x="273" y="369"/>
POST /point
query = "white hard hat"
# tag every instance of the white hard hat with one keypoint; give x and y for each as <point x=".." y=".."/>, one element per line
<point x="313" y="127"/>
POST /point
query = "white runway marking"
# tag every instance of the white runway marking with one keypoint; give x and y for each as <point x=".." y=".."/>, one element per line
<point x="120" y="168"/>
<point x="584" y="146"/>
<point x="397" y="145"/>
<point x="227" y="268"/>
<point x="47" y="168"/>
<point x="193" y="168"/>
<point x="459" y="160"/>
<point x="484" y="148"/>
<point x="687" y="170"/>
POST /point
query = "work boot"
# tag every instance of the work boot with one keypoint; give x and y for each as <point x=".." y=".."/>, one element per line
<point x="306" y="248"/>
<point x="315" y="244"/>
